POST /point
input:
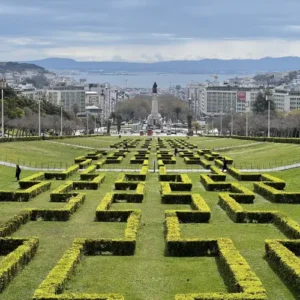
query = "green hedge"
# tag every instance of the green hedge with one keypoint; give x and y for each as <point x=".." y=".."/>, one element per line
<point x="16" y="258"/>
<point x="275" y="195"/>
<point x="94" y="184"/>
<point x="285" y="261"/>
<point x="59" y="214"/>
<point x="235" y="173"/>
<point x="34" y="189"/>
<point x="210" y="185"/>
<point x="62" y="175"/>
<point x="14" y="223"/>
<point x="233" y="267"/>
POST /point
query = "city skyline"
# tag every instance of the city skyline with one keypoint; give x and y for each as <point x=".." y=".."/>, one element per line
<point x="148" y="31"/>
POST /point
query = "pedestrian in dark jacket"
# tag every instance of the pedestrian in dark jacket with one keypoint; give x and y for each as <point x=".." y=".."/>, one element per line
<point x="175" y="151"/>
<point x="224" y="165"/>
<point x="18" y="172"/>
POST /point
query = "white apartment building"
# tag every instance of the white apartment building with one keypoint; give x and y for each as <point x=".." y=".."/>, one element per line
<point x="92" y="98"/>
<point x="67" y="96"/>
<point x="294" y="100"/>
<point x="108" y="99"/>
<point x="196" y="93"/>
<point x="227" y="99"/>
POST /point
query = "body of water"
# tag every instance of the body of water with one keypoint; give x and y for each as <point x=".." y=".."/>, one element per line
<point x="145" y="80"/>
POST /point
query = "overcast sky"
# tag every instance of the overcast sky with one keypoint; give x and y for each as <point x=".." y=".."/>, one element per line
<point x="148" y="30"/>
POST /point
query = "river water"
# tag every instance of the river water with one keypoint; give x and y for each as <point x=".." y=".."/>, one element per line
<point x="145" y="80"/>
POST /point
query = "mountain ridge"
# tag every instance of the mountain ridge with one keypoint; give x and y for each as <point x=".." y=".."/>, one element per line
<point x="230" y="66"/>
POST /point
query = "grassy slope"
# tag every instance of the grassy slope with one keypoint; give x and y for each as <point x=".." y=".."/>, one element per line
<point x="149" y="274"/>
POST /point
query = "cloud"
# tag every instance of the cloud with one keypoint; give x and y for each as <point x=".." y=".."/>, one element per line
<point x="188" y="50"/>
<point x="148" y="30"/>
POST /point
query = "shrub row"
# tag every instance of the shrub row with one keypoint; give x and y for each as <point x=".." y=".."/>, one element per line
<point x="274" y="195"/>
<point x="131" y="177"/>
<point x="85" y="163"/>
<point x="86" y="173"/>
<point x="61" y="193"/>
<point x="205" y="164"/>
<point x="209" y="183"/>
<point x="14" y="261"/>
<point x="200" y="213"/>
<point x="192" y="160"/>
<point x="35" y="188"/>
<point x="286" y="262"/>
<point x="94" y="184"/>
<point x="62" y="175"/>
<point x="14" y="223"/>
<point x="59" y="214"/>
<point x="235" y="173"/>
<point x="239" y="276"/>
<point x="229" y="202"/>
<point x="271" y="139"/>
<point x="216" y="171"/>
<point x="113" y="160"/>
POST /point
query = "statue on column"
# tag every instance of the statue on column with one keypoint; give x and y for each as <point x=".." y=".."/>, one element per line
<point x="154" y="88"/>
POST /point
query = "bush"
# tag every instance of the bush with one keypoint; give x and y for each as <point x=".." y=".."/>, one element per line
<point x="16" y="258"/>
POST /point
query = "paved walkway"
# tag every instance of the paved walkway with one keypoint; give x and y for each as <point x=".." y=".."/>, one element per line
<point x="281" y="168"/>
<point x="72" y="145"/>
<point x="13" y="165"/>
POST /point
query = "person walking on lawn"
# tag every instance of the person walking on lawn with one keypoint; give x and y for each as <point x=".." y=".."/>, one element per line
<point x="18" y="172"/>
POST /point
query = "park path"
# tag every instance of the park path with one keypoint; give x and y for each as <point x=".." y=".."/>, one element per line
<point x="281" y="168"/>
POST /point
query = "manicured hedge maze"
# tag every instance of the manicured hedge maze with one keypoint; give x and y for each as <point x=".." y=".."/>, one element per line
<point x="136" y="200"/>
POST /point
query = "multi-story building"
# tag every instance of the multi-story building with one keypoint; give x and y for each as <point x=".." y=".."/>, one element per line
<point x="195" y="95"/>
<point x="228" y="99"/>
<point x="72" y="98"/>
<point x="92" y="98"/>
<point x="294" y="100"/>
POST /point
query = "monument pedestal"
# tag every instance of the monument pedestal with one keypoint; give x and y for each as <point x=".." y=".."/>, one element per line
<point x="154" y="119"/>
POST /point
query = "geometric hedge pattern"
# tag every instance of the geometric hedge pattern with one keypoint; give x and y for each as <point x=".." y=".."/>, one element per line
<point x="175" y="189"/>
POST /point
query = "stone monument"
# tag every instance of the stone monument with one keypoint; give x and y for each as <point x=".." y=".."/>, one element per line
<point x="154" y="119"/>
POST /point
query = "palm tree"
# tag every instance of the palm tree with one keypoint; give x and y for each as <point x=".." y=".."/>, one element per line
<point x="113" y="116"/>
<point x="197" y="126"/>
<point x="177" y="111"/>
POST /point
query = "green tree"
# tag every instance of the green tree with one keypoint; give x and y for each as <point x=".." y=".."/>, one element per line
<point x="260" y="105"/>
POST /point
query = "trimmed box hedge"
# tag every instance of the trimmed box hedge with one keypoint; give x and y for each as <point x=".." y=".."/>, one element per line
<point x="283" y="255"/>
<point x="94" y="184"/>
<point x="59" y="214"/>
<point x="18" y="252"/>
<point x="62" y="175"/>
<point x="34" y="188"/>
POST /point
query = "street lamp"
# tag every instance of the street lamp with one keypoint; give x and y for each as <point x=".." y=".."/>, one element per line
<point x="39" y="117"/>
<point x="61" y="120"/>
<point x="2" y="86"/>
<point x="87" y="123"/>
<point x="268" y="98"/>
<point x="221" y="129"/>
<point x="247" y="121"/>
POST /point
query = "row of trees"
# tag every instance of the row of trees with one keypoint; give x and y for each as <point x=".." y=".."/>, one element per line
<point x="21" y="116"/>
<point x="281" y="124"/>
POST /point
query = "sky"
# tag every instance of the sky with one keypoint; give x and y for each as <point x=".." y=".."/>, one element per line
<point x="148" y="30"/>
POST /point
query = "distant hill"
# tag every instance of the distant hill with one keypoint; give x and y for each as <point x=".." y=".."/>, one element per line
<point x="205" y="66"/>
<point x="20" y="67"/>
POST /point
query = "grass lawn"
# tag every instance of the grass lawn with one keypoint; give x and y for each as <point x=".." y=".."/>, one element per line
<point x="149" y="274"/>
